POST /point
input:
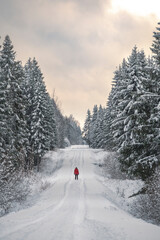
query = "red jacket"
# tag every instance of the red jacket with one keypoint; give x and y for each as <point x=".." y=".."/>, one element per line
<point x="76" y="172"/>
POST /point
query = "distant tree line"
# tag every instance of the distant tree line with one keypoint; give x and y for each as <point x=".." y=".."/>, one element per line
<point x="130" y="124"/>
<point x="31" y="121"/>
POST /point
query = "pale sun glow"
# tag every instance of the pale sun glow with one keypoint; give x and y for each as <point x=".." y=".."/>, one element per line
<point x="138" y="7"/>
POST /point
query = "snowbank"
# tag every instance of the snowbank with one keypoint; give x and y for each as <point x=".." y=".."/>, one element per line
<point x="118" y="187"/>
<point x="24" y="192"/>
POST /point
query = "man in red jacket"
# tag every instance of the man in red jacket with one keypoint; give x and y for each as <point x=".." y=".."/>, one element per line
<point x="76" y="172"/>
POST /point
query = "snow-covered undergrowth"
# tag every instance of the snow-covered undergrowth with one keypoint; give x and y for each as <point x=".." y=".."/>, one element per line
<point x="125" y="192"/>
<point x="147" y="205"/>
<point x="118" y="187"/>
<point x="24" y="188"/>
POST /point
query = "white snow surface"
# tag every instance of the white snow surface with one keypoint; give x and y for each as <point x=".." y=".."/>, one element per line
<point x="76" y="210"/>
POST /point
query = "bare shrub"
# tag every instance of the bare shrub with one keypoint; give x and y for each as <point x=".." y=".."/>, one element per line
<point x="112" y="166"/>
<point x="44" y="185"/>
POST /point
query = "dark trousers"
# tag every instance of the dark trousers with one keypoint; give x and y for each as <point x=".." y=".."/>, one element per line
<point x="76" y="176"/>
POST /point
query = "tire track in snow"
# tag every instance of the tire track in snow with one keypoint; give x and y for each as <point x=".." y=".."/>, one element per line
<point x="66" y="188"/>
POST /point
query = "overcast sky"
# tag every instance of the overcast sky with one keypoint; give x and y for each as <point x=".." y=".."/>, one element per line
<point x="78" y="43"/>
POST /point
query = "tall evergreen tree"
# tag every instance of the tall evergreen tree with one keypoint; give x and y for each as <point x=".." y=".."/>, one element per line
<point x="36" y="110"/>
<point x="28" y="93"/>
<point x="86" y="129"/>
<point x="40" y="113"/>
<point x="93" y="128"/>
<point x="4" y="112"/>
<point x="155" y="76"/>
<point x="51" y="126"/>
<point x="18" y="121"/>
<point x="7" y="65"/>
<point x="60" y="123"/>
<point x="132" y="136"/>
<point x="99" y="128"/>
<point x="12" y="116"/>
<point x="107" y="138"/>
<point x="118" y="99"/>
<point x="156" y="45"/>
<point x="13" y="104"/>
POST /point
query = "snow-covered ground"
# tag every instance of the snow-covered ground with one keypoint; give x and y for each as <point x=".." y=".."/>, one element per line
<point x="118" y="188"/>
<point x="79" y="210"/>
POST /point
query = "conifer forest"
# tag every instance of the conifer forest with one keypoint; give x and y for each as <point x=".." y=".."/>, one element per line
<point x="130" y="122"/>
<point x="31" y="122"/>
<point x="33" y="129"/>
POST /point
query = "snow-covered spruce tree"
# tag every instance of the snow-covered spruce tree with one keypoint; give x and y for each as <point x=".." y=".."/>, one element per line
<point x="51" y="127"/>
<point x="99" y="133"/>
<point x="4" y="112"/>
<point x="19" y="125"/>
<point x="93" y="131"/>
<point x="106" y="133"/>
<point x="12" y="124"/>
<point x="7" y="63"/>
<point x="155" y="76"/>
<point x="60" y="122"/>
<point x="6" y="165"/>
<point x="106" y="138"/>
<point x="118" y="100"/>
<point x="134" y="112"/>
<point x="38" y="120"/>
<point x="86" y="129"/>
<point x="92" y="127"/>
<point x="112" y="125"/>
<point x="28" y="93"/>
<point x="13" y="101"/>
<point x="107" y="141"/>
<point x="156" y="45"/>
<point x="37" y="129"/>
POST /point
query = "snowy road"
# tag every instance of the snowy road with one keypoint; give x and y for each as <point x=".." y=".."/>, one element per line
<point x="75" y="210"/>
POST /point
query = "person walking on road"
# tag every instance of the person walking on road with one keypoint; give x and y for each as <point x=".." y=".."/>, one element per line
<point x="76" y="173"/>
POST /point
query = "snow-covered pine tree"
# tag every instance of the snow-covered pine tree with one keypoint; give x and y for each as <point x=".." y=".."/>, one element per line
<point x="155" y="76"/>
<point x="12" y="123"/>
<point x="28" y="93"/>
<point x="99" y="134"/>
<point x="156" y="45"/>
<point x="7" y="64"/>
<point x="13" y="104"/>
<point x="146" y="161"/>
<point x="6" y="165"/>
<point x="37" y="106"/>
<point x="134" y="112"/>
<point x="38" y="131"/>
<point x="60" y="122"/>
<point x="116" y="102"/>
<point x="4" y="112"/>
<point x="107" y="135"/>
<point x="86" y="128"/>
<point x="130" y="114"/>
<point x="51" y="126"/>
<point x="92" y="128"/>
<point x="18" y="123"/>
<point x="40" y="113"/>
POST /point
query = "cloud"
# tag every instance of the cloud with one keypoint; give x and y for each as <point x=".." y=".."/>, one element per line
<point x="78" y="44"/>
